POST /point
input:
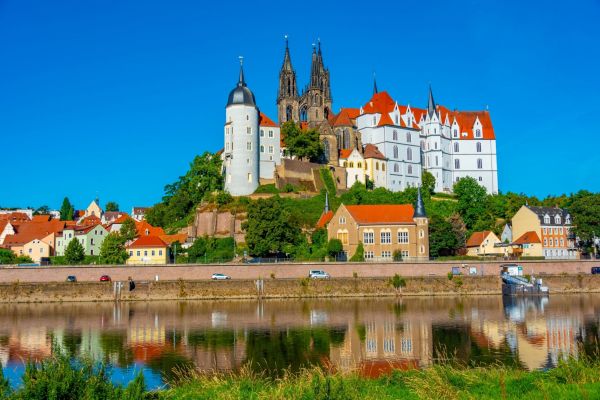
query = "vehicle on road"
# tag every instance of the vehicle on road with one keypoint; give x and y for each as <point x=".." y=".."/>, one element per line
<point x="105" y="278"/>
<point x="318" y="274"/>
<point x="71" y="278"/>
<point x="220" y="277"/>
<point x="595" y="270"/>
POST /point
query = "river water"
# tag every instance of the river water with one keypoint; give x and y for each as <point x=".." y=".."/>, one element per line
<point x="370" y="336"/>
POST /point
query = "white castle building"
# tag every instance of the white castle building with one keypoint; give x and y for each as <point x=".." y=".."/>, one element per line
<point x="252" y="142"/>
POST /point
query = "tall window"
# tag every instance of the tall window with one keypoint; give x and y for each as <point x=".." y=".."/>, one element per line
<point x="396" y="167"/>
<point x="409" y="154"/>
<point x="456" y="147"/>
<point x="395" y="135"/>
<point x="479" y="163"/>
<point x="386" y="237"/>
<point x="262" y="133"/>
<point x="478" y="133"/>
<point x="408" y="137"/>
<point x="546" y="219"/>
<point x="402" y="237"/>
<point x="262" y="148"/>
<point x="455" y="133"/>
<point x="456" y="163"/>
<point x="368" y="237"/>
<point x="248" y="145"/>
<point x="557" y="219"/>
<point x="478" y="146"/>
<point x="395" y="151"/>
<point x="410" y="170"/>
<point x="249" y="130"/>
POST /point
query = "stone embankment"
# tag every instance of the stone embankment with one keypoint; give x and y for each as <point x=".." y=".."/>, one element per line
<point x="278" y="288"/>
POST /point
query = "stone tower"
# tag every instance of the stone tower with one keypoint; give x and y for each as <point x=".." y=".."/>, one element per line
<point x="288" y="102"/>
<point x="241" y="154"/>
<point x="420" y="218"/>
<point x="315" y="102"/>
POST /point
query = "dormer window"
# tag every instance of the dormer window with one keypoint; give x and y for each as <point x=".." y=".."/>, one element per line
<point x="557" y="219"/>
<point x="397" y="122"/>
<point x="568" y="219"/>
<point x="546" y="219"/>
<point x="147" y="232"/>
<point x="478" y="133"/>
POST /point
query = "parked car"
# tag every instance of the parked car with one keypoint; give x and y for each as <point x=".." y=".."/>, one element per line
<point x="220" y="277"/>
<point x="318" y="274"/>
<point x="105" y="278"/>
<point x="595" y="270"/>
<point x="71" y="278"/>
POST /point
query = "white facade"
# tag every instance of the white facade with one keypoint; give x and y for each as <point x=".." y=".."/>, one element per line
<point x="270" y="152"/>
<point x="355" y="167"/>
<point x="241" y="159"/>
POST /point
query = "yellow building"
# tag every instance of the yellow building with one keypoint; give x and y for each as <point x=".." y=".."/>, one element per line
<point x="148" y="250"/>
<point x="528" y="245"/>
<point x="482" y="244"/>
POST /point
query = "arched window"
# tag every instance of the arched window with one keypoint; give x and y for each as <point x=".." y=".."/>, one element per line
<point x="326" y="150"/>
<point x="455" y="133"/>
<point x="396" y="167"/>
<point x="408" y="137"/>
<point x="326" y="113"/>
<point x="347" y="144"/>
<point x="478" y="147"/>
<point x="479" y="163"/>
<point x="395" y="151"/>
<point x="456" y="147"/>
<point x="351" y="164"/>
<point x="377" y="166"/>
<point x="456" y="163"/>
<point x="396" y="118"/>
<point x="568" y="219"/>
<point x="478" y="133"/>
<point x="288" y="113"/>
<point x="395" y="135"/>
<point x="383" y="166"/>
<point x="409" y="170"/>
<point x="340" y="139"/>
<point x="345" y="164"/>
<point x="359" y="165"/>
<point x="409" y="154"/>
<point x="262" y="148"/>
<point x="546" y="219"/>
<point x="303" y="114"/>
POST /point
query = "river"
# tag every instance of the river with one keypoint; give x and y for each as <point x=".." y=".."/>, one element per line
<point x="367" y="335"/>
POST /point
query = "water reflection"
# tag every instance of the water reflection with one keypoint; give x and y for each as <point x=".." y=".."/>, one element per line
<point x="367" y="335"/>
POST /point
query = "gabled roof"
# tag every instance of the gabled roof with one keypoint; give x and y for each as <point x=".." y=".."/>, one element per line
<point x="90" y="220"/>
<point x="371" y="151"/>
<point x="477" y="238"/>
<point x="147" y="241"/>
<point x="382" y="214"/>
<point x="528" y="237"/>
<point x="345" y="153"/>
<point x="380" y="103"/>
<point x="266" y="121"/>
<point x="541" y="212"/>
<point x="14" y="216"/>
<point x="324" y="219"/>
<point x="343" y="118"/>
<point x="385" y="120"/>
<point x="41" y="218"/>
<point x="143" y="226"/>
<point x="139" y="210"/>
<point x="178" y="237"/>
<point x="34" y="230"/>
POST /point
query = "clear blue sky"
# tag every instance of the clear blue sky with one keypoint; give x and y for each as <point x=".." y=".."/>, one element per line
<point x="114" y="98"/>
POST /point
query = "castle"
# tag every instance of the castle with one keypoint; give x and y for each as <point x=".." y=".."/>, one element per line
<point x="382" y="141"/>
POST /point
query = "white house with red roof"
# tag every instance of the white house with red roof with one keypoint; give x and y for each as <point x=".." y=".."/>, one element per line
<point x="269" y="142"/>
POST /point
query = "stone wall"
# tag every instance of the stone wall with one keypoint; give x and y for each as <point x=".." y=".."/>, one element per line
<point x="211" y="222"/>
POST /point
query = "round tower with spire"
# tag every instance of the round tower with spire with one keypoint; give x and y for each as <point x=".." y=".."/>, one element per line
<point x="241" y="160"/>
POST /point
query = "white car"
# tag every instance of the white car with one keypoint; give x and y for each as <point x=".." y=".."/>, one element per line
<point x="220" y="277"/>
<point x="318" y="274"/>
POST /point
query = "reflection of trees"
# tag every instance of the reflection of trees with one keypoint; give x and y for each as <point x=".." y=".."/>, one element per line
<point x="212" y="338"/>
<point x="4" y="340"/>
<point x="72" y="342"/>
<point x="113" y="344"/>
<point x="273" y="351"/>
<point x="591" y="339"/>
<point x="167" y="362"/>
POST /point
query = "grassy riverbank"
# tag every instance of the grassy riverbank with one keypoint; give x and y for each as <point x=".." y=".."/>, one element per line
<point x="574" y="379"/>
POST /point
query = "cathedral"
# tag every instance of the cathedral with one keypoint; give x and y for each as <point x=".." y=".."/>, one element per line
<point x="450" y="144"/>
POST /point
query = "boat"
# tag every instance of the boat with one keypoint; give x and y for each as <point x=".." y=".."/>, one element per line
<point x="515" y="284"/>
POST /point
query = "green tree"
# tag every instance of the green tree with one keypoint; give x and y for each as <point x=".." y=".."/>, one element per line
<point x="428" y="182"/>
<point x="398" y="282"/>
<point x="459" y="229"/>
<point x="74" y="253"/>
<point x="42" y="210"/>
<point x="66" y="210"/>
<point x="334" y="247"/>
<point x="7" y="256"/>
<point x="156" y="215"/>
<point x="270" y="228"/>
<point x="113" y="250"/>
<point x="23" y="260"/>
<point x="111" y="206"/>
<point x="306" y="145"/>
<point x="359" y="254"/>
<point x="471" y="200"/>
<point x="128" y="230"/>
<point x="442" y="238"/>
<point x="585" y="212"/>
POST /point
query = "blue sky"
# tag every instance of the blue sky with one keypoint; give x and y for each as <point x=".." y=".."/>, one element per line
<point x="113" y="98"/>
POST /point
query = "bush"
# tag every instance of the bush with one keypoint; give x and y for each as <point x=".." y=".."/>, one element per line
<point x="270" y="188"/>
<point x="289" y="188"/>
<point x="398" y="282"/>
<point x="334" y="246"/>
<point x="397" y="255"/>
<point x="223" y="198"/>
<point x="450" y="276"/>
<point x="359" y="254"/>
<point x="74" y="253"/>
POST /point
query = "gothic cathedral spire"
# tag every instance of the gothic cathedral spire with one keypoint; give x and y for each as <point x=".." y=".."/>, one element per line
<point x="431" y="108"/>
<point x="287" y="93"/>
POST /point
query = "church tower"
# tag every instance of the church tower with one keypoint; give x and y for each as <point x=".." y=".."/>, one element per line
<point x="288" y="102"/>
<point x="241" y="154"/>
<point x="315" y="103"/>
<point x="420" y="218"/>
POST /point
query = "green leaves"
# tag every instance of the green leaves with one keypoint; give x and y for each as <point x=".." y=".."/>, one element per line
<point x="113" y="250"/>
<point x="305" y="145"/>
<point x="66" y="210"/>
<point x="128" y="230"/>
<point x="74" y="253"/>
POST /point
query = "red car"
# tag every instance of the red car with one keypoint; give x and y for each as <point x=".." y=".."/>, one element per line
<point x="105" y="278"/>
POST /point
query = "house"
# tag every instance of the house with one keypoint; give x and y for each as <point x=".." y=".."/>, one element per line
<point x="31" y="237"/>
<point x="111" y="216"/>
<point x="484" y="244"/>
<point x="528" y="245"/>
<point x="138" y="213"/>
<point x="382" y="229"/>
<point x="148" y="250"/>
<point x="353" y="161"/>
<point x="506" y="236"/>
<point x="553" y="227"/>
<point x="6" y="228"/>
<point x="375" y="166"/>
<point x="90" y="237"/>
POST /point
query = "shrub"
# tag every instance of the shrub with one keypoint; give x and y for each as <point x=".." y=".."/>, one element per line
<point x="359" y="254"/>
<point x="398" y="282"/>
<point x="458" y="281"/>
<point x="397" y="255"/>
<point x="450" y="276"/>
<point x="74" y="253"/>
<point x="270" y="188"/>
<point x="223" y="198"/>
<point x="289" y="188"/>
<point x="334" y="246"/>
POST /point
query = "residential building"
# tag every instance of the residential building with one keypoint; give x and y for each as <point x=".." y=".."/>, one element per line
<point x="382" y="229"/>
<point x="553" y="227"/>
<point x="148" y="250"/>
<point x="376" y="166"/>
<point x="138" y="213"/>
<point x="269" y="142"/>
<point x="353" y="161"/>
<point x="484" y="243"/>
<point x="90" y="237"/>
<point x="506" y="236"/>
<point x="31" y="237"/>
<point x="528" y="245"/>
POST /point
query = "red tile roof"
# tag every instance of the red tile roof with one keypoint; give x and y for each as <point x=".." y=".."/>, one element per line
<point x="324" y="219"/>
<point x="385" y="120"/>
<point x="382" y="214"/>
<point x="343" y="118"/>
<point x="147" y="241"/>
<point x="380" y="103"/>
<point x="477" y="238"/>
<point x="14" y="216"/>
<point x="41" y="218"/>
<point x="143" y="226"/>
<point x="528" y="237"/>
<point x="266" y="121"/>
<point x="345" y="153"/>
<point x="178" y="237"/>
<point x="371" y="151"/>
<point x="34" y="230"/>
<point x="89" y="220"/>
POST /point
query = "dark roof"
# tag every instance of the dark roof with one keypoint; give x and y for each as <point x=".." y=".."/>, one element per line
<point x="241" y="94"/>
<point x="420" y="206"/>
<point x="551" y="212"/>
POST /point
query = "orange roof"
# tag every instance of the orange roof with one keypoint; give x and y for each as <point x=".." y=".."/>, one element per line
<point x="121" y="219"/>
<point x="324" y="220"/>
<point x="345" y="153"/>
<point x="385" y="120"/>
<point x="528" y="237"/>
<point x="147" y="241"/>
<point x="371" y="151"/>
<point x="353" y="113"/>
<point x="343" y="118"/>
<point x="477" y="238"/>
<point x="382" y="214"/>
<point x="380" y="103"/>
<point x="145" y="229"/>
<point x="34" y="230"/>
<point x="89" y="220"/>
<point x="178" y="237"/>
<point x="41" y="218"/>
<point x="266" y="121"/>
<point x="14" y="216"/>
